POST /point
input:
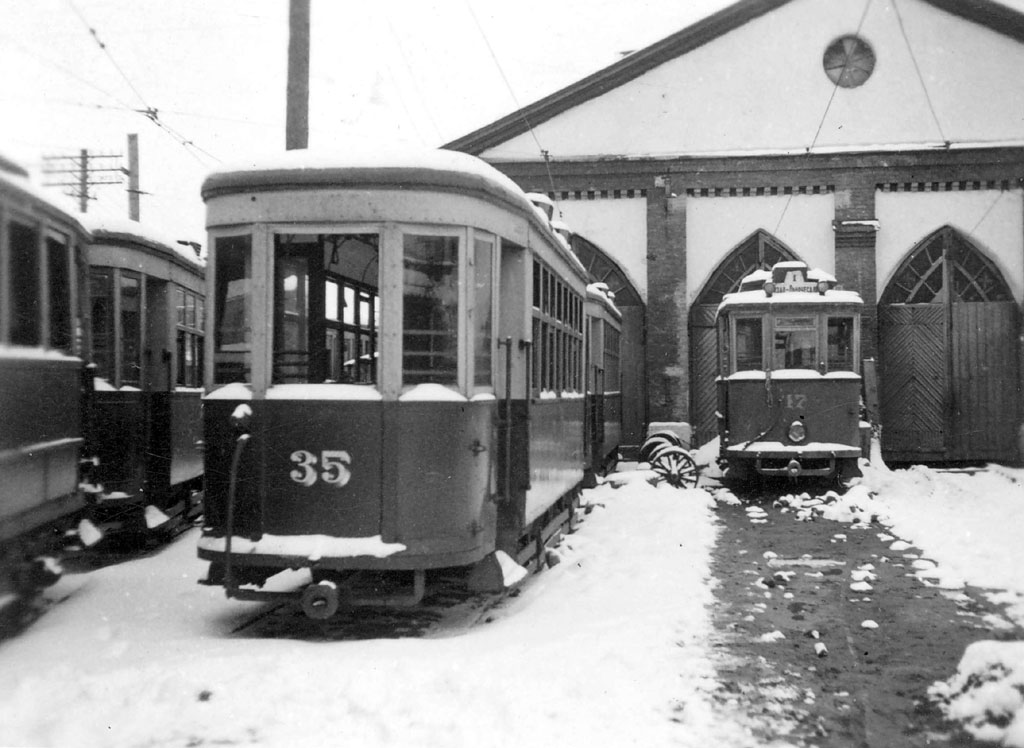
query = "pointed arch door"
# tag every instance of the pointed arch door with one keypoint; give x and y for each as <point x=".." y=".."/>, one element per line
<point x="759" y="250"/>
<point x="948" y="350"/>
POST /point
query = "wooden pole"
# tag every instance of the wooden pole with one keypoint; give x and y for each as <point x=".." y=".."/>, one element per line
<point x="297" y="111"/>
<point x="133" y="177"/>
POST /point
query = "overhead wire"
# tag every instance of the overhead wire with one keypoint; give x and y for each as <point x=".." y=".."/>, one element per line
<point x="409" y="67"/>
<point x="150" y="112"/>
<point x="545" y="154"/>
<point x="824" y="115"/>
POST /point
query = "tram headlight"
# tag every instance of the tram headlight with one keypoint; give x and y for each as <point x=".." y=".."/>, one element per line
<point x="797" y="432"/>
<point x="769" y="288"/>
<point x="822" y="287"/>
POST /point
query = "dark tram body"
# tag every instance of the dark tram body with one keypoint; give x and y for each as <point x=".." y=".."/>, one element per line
<point x="789" y="385"/>
<point x="396" y="373"/>
<point x="146" y="296"/>
<point x="42" y="380"/>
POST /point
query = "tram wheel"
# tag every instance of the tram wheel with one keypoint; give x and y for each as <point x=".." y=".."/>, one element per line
<point x="675" y="465"/>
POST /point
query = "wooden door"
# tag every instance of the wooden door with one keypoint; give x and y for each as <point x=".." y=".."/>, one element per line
<point x="948" y="349"/>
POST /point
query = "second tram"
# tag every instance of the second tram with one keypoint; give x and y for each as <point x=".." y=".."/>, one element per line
<point x="789" y="385"/>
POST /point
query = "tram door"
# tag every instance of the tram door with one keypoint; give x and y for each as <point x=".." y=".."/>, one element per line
<point x="948" y="328"/>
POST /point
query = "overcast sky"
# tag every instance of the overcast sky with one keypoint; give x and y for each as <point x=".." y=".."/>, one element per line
<point x="422" y="71"/>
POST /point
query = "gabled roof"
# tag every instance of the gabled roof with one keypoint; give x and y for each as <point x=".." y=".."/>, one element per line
<point x="987" y="13"/>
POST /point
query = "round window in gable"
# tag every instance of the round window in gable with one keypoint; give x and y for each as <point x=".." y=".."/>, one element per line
<point x="849" y="61"/>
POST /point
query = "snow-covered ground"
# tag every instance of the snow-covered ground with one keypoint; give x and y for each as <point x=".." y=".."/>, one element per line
<point x="609" y="647"/>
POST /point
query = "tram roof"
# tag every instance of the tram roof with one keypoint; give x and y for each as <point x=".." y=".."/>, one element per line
<point x="123" y="231"/>
<point x="369" y="167"/>
<point x="14" y="178"/>
<point x="758" y="298"/>
<point x="380" y="167"/>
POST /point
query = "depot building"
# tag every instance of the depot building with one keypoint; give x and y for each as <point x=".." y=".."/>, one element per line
<point x="879" y="140"/>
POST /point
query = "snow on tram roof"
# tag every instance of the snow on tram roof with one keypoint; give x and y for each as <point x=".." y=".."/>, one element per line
<point x="378" y="165"/>
<point x="373" y="163"/>
<point x="124" y="229"/>
<point x="15" y="177"/>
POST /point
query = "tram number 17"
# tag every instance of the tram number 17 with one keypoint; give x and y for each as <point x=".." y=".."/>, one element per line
<point x="335" y="464"/>
<point x="794" y="401"/>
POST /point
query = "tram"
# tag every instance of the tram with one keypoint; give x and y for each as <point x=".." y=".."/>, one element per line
<point x="147" y="304"/>
<point x="789" y="384"/>
<point x="43" y="380"/>
<point x="396" y="376"/>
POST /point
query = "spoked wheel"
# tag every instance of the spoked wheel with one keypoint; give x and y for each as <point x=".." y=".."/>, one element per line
<point x="675" y="465"/>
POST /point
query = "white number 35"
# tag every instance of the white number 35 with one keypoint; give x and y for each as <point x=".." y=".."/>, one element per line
<point x="335" y="463"/>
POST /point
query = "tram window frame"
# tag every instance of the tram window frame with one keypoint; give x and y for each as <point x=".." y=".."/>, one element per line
<point x="446" y="366"/>
<point x="25" y="283"/>
<point x="557" y="336"/>
<point x="189" y="337"/>
<point x="231" y="342"/>
<point x="102" y="308"/>
<point x="329" y="329"/>
<point x="797" y="329"/>
<point x="612" y="357"/>
<point x="850" y="362"/>
<point x="130" y="318"/>
<point x="483" y="311"/>
<point x="59" y="275"/>
<point x="747" y="360"/>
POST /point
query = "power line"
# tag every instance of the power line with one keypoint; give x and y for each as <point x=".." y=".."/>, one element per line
<point x="543" y="152"/>
<point x="917" y="69"/>
<point x="151" y="113"/>
<point x="824" y="115"/>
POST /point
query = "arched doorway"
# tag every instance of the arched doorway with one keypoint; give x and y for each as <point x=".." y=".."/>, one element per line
<point x="602" y="268"/>
<point x="759" y="250"/>
<point x="948" y="355"/>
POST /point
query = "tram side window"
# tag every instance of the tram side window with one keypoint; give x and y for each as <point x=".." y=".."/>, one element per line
<point x="557" y="336"/>
<point x="483" y="284"/>
<point x="430" y="316"/>
<point x="25" y="311"/>
<point x="749" y="344"/>
<point x="131" y="329"/>
<point x="189" y="338"/>
<point x="611" y="359"/>
<point x="840" y="344"/>
<point x="326" y="308"/>
<point x="101" y="295"/>
<point x="796" y="343"/>
<point x="59" y="282"/>
<point x="232" y="331"/>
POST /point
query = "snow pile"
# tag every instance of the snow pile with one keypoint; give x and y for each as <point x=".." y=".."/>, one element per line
<point x="987" y="692"/>
<point x="609" y="647"/>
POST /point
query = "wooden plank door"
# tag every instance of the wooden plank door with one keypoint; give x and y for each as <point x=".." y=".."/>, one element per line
<point x="985" y="381"/>
<point x="703" y="370"/>
<point x="915" y="389"/>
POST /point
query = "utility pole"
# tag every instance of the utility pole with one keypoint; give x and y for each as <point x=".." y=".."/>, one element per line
<point x="297" y="107"/>
<point x="77" y="174"/>
<point x="133" y="176"/>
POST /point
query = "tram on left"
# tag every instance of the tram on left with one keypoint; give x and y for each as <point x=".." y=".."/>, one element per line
<point x="44" y="381"/>
<point x="100" y="401"/>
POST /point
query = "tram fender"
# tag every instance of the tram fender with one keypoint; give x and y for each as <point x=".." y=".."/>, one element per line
<point x="495" y="572"/>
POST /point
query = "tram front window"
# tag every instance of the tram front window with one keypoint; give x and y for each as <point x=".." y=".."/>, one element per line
<point x="232" y="332"/>
<point x="840" y="344"/>
<point x="796" y="343"/>
<point x="430" y="317"/>
<point x="749" y="344"/>
<point x="326" y="308"/>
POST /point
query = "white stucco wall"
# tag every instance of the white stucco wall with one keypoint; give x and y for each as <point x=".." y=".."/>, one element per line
<point x="617" y="226"/>
<point x="762" y="88"/>
<point x="715" y="225"/>
<point x="992" y="219"/>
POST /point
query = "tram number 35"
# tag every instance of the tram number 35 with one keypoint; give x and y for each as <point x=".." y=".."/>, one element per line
<point x="334" y="464"/>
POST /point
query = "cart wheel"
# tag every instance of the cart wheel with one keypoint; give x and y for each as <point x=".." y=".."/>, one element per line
<point x="656" y="440"/>
<point x="675" y="465"/>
